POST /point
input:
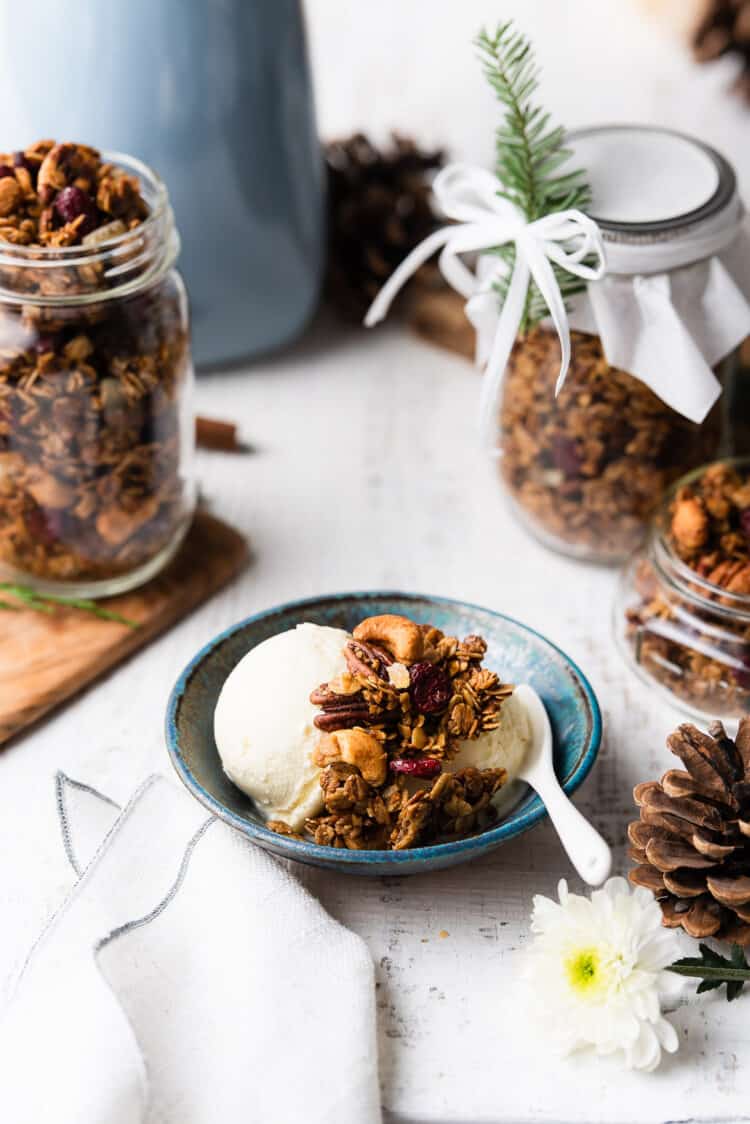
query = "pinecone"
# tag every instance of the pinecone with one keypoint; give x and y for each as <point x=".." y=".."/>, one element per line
<point x="379" y="208"/>
<point x="692" y="842"/>
<point x="724" y="29"/>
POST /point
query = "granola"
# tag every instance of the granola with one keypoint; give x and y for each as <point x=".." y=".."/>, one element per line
<point x="361" y="817"/>
<point x="60" y="194"/>
<point x="394" y="719"/>
<point x="710" y="526"/>
<point x="589" y="467"/>
<point x="91" y="426"/>
<point x="420" y="708"/>
<point x="690" y="625"/>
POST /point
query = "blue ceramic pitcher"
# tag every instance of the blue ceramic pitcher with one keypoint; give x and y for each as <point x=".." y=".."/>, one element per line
<point x="216" y="96"/>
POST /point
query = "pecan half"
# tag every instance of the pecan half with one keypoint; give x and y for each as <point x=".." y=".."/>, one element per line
<point x="341" y="717"/>
<point x="367" y="659"/>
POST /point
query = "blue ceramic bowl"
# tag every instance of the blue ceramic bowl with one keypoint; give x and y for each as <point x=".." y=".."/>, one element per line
<point x="516" y="652"/>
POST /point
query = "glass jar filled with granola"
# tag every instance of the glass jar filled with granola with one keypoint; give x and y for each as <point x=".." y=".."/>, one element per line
<point x="682" y="613"/>
<point x="96" y="422"/>
<point x="586" y="469"/>
<point x="654" y="349"/>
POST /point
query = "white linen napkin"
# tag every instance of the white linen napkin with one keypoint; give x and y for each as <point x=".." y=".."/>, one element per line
<point x="187" y="979"/>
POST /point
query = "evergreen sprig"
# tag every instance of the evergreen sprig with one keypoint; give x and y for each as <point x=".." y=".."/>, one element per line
<point x="48" y="602"/>
<point x="715" y="970"/>
<point x="530" y="153"/>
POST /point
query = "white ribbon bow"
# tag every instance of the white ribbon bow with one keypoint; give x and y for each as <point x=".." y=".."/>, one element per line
<point x="485" y="220"/>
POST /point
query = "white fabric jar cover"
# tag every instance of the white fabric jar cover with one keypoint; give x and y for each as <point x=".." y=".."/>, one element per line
<point x="663" y="252"/>
<point x="675" y="299"/>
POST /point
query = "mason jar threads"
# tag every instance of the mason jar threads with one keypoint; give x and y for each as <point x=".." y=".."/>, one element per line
<point x="682" y="611"/>
<point x="96" y="421"/>
<point x="653" y="360"/>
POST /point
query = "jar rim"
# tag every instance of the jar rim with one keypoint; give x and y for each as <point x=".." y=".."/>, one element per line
<point x="693" y="230"/>
<point x="681" y="576"/>
<point x="681" y="222"/>
<point x="137" y="257"/>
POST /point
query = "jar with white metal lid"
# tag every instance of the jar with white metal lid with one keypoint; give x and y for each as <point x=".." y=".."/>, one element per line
<point x="655" y="344"/>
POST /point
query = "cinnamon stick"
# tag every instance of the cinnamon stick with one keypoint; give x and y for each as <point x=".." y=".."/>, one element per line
<point x="210" y="433"/>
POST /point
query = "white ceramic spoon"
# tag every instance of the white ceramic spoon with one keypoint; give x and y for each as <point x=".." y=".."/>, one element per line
<point x="586" y="849"/>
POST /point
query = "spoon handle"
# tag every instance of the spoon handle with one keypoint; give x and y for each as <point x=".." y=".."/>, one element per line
<point x="585" y="847"/>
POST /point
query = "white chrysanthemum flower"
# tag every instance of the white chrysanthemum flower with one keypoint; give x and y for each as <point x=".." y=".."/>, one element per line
<point x="597" y="971"/>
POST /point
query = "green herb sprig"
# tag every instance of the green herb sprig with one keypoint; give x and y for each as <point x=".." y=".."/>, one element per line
<point x="530" y="154"/>
<point x="48" y="602"/>
<point x="715" y="970"/>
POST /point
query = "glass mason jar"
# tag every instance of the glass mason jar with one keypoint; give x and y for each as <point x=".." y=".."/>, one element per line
<point x="683" y="635"/>
<point x="96" y="419"/>
<point x="586" y="470"/>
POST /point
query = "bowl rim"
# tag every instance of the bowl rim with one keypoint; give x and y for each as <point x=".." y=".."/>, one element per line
<point x="303" y="851"/>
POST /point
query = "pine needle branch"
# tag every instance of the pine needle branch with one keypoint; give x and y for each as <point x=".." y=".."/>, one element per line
<point x="530" y="154"/>
<point x="48" y="602"/>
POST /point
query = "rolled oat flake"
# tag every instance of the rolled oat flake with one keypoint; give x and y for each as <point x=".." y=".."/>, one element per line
<point x="675" y="299"/>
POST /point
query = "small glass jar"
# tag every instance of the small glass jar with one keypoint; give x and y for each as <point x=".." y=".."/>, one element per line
<point x="96" y="419"/>
<point x="683" y="635"/>
<point x="586" y="470"/>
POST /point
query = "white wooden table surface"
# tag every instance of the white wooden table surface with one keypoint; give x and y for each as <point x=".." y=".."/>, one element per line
<point x="368" y="475"/>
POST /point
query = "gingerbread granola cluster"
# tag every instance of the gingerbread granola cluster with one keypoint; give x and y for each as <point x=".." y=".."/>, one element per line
<point x="693" y="634"/>
<point x="588" y="467"/>
<point x="710" y="527"/>
<point x="92" y="482"/>
<point x="63" y="194"/>
<point x="393" y="720"/>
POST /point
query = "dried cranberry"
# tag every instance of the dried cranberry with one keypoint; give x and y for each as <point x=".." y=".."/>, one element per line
<point x="430" y="688"/>
<point x="742" y="679"/>
<point x="745" y="522"/>
<point x="46" y="526"/>
<point x="565" y="455"/>
<point x="43" y="344"/>
<point x="416" y="766"/>
<point x="74" y="201"/>
<point x="5" y="171"/>
<point x="742" y="675"/>
<point x="20" y="161"/>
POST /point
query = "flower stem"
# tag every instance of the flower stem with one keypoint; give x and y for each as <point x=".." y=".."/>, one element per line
<point x="716" y="971"/>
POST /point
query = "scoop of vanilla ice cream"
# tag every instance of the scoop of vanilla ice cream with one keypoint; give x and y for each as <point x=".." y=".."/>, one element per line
<point x="263" y="722"/>
<point x="502" y="748"/>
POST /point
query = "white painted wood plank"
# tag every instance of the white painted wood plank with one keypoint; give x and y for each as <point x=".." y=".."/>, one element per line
<point x="366" y="444"/>
<point x="364" y="447"/>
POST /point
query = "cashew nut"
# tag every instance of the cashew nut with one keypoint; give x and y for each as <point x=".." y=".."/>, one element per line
<point x="690" y="524"/>
<point x="47" y="490"/>
<point x="354" y="747"/>
<point x="402" y="637"/>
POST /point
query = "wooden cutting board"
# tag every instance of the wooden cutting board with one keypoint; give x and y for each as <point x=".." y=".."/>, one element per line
<point x="437" y="315"/>
<point x="47" y="659"/>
